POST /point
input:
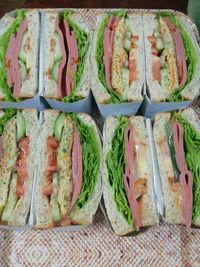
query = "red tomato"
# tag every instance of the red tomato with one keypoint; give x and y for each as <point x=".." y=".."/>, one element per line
<point x="47" y="190"/>
<point x="52" y="143"/>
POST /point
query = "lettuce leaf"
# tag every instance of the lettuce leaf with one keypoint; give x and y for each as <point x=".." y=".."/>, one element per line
<point x="4" y="40"/>
<point x="83" y="43"/>
<point x="91" y="159"/>
<point x="115" y="98"/>
<point x="190" y="51"/>
<point x="115" y="161"/>
<point x="9" y="113"/>
<point x="192" y="155"/>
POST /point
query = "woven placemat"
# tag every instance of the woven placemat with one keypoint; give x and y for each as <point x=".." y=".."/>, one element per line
<point x="162" y="246"/>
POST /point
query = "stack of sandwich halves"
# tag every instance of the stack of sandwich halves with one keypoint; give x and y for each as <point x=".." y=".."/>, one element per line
<point x="54" y="166"/>
<point x="126" y="51"/>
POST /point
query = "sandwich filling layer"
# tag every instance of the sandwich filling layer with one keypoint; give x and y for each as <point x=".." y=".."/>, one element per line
<point x="69" y="177"/>
<point x="173" y="55"/>
<point x="182" y="147"/>
<point x="124" y="175"/>
<point x="13" y="161"/>
<point x="70" y="45"/>
<point x="117" y="54"/>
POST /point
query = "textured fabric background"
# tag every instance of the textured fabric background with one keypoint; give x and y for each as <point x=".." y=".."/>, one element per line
<point x="162" y="246"/>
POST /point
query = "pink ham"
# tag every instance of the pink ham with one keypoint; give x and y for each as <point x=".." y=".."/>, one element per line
<point x="17" y="73"/>
<point x="180" y="52"/>
<point x="185" y="178"/>
<point x="130" y="177"/>
<point x="109" y="33"/>
<point x="9" y="57"/>
<point x="64" y="59"/>
<point x="77" y="168"/>
<point x="156" y="66"/>
<point x="72" y="58"/>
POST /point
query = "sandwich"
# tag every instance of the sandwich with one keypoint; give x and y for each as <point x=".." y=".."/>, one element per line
<point x="68" y="186"/>
<point x="172" y="58"/>
<point x="128" y="190"/>
<point x="18" y="131"/>
<point x="177" y="141"/>
<point x="117" y="58"/>
<point x="19" y="45"/>
<point x="66" y="52"/>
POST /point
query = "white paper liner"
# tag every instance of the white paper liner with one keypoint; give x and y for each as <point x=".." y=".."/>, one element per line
<point x="149" y="108"/>
<point x="156" y="173"/>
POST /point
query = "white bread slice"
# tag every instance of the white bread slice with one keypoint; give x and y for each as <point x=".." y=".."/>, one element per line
<point x="144" y="168"/>
<point x="172" y="203"/>
<point x="50" y="88"/>
<point x="8" y="159"/>
<point x="20" y="213"/>
<point x="5" y="23"/>
<point x="134" y="92"/>
<point x="50" y="85"/>
<point x="192" y="118"/>
<point x="84" y="86"/>
<point x="64" y="161"/>
<point x="42" y="207"/>
<point x="86" y="214"/>
<point x="116" y="218"/>
<point x="30" y="86"/>
<point x="156" y="92"/>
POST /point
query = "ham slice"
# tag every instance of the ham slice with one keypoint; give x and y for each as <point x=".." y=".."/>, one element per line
<point x="185" y="178"/>
<point x="180" y="52"/>
<point x="72" y="61"/>
<point x="64" y="59"/>
<point x="156" y="66"/>
<point x="77" y="168"/>
<point x="9" y="60"/>
<point x="130" y="181"/>
<point x="17" y="73"/>
<point x="108" y="40"/>
<point x="1" y="147"/>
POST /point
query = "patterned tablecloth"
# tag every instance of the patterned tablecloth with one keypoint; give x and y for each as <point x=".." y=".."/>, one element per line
<point x="162" y="245"/>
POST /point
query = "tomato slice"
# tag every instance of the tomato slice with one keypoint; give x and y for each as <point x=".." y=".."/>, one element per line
<point x="52" y="143"/>
<point x="21" y="165"/>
